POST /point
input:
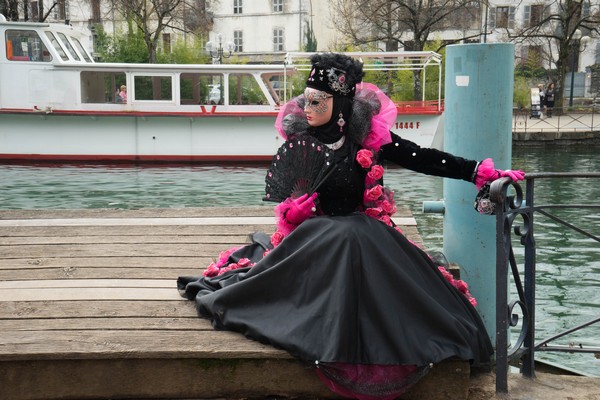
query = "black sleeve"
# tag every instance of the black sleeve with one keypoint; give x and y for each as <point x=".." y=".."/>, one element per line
<point x="428" y="161"/>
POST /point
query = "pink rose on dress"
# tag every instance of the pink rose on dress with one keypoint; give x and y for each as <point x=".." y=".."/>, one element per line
<point x="461" y="286"/>
<point x="376" y="172"/>
<point x="473" y="301"/>
<point x="386" y="220"/>
<point x="211" y="270"/>
<point x="373" y="212"/>
<point x="244" y="262"/>
<point x="389" y="208"/>
<point x="276" y="238"/>
<point x="373" y="193"/>
<point x="365" y="158"/>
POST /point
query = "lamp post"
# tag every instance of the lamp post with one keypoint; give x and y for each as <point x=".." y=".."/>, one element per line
<point x="217" y="52"/>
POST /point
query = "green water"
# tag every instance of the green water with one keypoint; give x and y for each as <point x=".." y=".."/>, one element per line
<point x="568" y="283"/>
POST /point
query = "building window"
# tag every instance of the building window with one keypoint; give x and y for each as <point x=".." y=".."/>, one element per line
<point x="238" y="40"/>
<point x="277" y="6"/>
<point x="61" y="10"/>
<point x="533" y="15"/>
<point x="502" y="17"/>
<point x="96" y="11"/>
<point x="35" y="11"/>
<point x="278" y="39"/>
<point x="166" y="41"/>
<point x="237" y="6"/>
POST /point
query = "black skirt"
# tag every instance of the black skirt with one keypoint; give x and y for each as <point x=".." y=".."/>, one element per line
<point x="346" y="289"/>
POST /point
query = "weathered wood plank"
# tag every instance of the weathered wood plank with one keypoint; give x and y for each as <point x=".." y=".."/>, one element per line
<point x="27" y="231"/>
<point x="98" y="309"/>
<point x="117" y="250"/>
<point x="104" y="262"/>
<point x="189" y="324"/>
<point x="105" y="344"/>
<point x="138" y="239"/>
<point x="90" y="293"/>
<point x="88" y="283"/>
<point x="160" y="378"/>
<point x="163" y="271"/>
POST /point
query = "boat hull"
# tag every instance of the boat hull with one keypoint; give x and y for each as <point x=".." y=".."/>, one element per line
<point x="93" y="138"/>
<point x="134" y="138"/>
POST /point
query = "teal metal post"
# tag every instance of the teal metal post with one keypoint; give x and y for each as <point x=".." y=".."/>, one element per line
<point x="478" y="125"/>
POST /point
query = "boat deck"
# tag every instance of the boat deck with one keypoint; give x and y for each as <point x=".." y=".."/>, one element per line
<point x="89" y="310"/>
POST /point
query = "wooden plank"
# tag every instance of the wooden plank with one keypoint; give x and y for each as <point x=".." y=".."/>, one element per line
<point x="118" y="250"/>
<point x="102" y="293"/>
<point x="165" y="272"/>
<point x="216" y="230"/>
<point x="106" y="344"/>
<point x="104" y="262"/>
<point x="138" y="221"/>
<point x="88" y="283"/>
<point x="84" y="239"/>
<point x="27" y="310"/>
<point x="190" y="324"/>
<point x="156" y="221"/>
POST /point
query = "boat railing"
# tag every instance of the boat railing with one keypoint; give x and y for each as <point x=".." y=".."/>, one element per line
<point x="515" y="219"/>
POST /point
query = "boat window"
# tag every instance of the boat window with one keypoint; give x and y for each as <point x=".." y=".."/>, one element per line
<point x="25" y="45"/>
<point x="101" y="87"/>
<point x="243" y="89"/>
<point x="57" y="46"/>
<point x="196" y="88"/>
<point x="157" y="88"/>
<point x="70" y="48"/>
<point x="82" y="50"/>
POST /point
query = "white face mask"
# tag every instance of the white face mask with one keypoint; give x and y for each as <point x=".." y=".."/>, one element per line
<point x="316" y="101"/>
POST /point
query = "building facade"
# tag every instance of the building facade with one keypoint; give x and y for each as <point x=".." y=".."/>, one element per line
<point x="264" y="30"/>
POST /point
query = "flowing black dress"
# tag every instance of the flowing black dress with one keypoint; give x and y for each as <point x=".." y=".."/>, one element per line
<point x="345" y="289"/>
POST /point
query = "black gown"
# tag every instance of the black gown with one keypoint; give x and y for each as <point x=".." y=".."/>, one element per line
<point x="346" y="289"/>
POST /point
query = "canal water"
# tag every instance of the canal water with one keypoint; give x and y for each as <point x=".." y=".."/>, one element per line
<point x="568" y="277"/>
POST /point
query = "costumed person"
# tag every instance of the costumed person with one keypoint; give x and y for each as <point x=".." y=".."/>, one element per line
<point x="338" y="285"/>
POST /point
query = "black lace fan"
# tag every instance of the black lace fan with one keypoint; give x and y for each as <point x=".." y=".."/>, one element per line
<point x="300" y="166"/>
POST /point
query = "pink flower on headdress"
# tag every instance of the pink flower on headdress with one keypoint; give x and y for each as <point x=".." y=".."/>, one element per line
<point x="342" y="79"/>
<point x="365" y="158"/>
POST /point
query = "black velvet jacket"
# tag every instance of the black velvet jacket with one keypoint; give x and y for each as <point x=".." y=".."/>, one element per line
<point x="343" y="192"/>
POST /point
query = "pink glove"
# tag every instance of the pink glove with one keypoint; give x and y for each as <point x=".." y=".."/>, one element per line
<point x="301" y="209"/>
<point x="487" y="173"/>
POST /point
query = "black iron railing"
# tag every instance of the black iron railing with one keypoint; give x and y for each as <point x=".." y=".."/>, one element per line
<point x="514" y="217"/>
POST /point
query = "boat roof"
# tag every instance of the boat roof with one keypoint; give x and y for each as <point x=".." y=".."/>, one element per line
<point x="376" y="61"/>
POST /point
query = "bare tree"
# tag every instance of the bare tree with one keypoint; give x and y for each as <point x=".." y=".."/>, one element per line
<point x="557" y="28"/>
<point x="405" y="23"/>
<point x="153" y="17"/>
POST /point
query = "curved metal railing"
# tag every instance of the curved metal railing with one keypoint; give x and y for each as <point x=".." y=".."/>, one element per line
<point x="514" y="216"/>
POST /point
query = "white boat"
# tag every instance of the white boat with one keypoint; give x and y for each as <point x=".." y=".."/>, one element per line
<point x="57" y="104"/>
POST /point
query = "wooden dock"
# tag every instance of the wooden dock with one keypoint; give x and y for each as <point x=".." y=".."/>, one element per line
<point x="89" y="310"/>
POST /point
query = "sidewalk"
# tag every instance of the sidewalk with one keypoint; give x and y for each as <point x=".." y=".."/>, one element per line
<point x="565" y="129"/>
<point x="544" y="387"/>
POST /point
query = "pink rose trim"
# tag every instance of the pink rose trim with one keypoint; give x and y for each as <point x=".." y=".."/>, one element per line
<point x="376" y="172"/>
<point x="365" y="158"/>
<point x="373" y="193"/>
